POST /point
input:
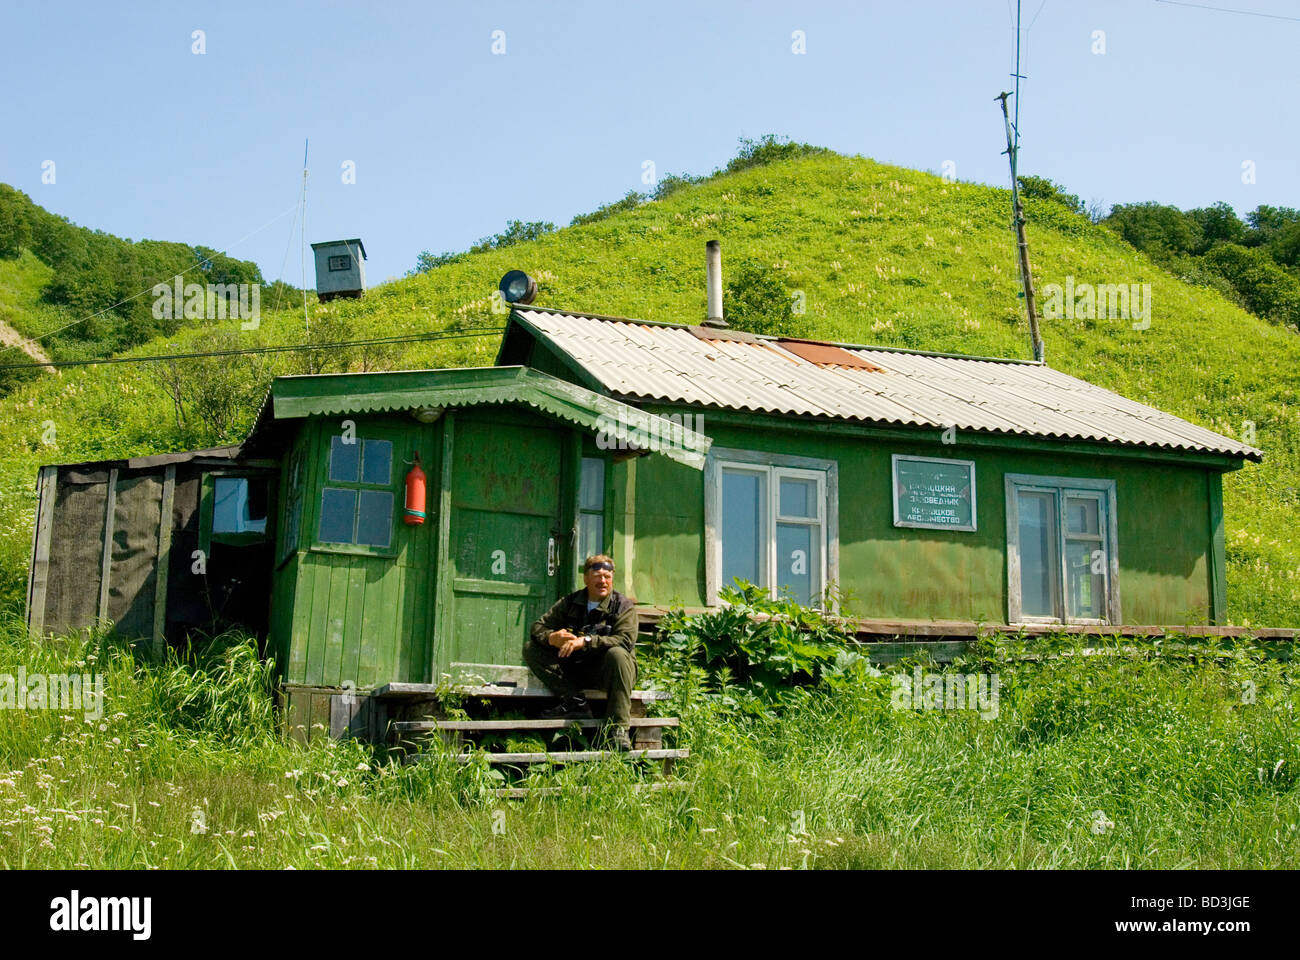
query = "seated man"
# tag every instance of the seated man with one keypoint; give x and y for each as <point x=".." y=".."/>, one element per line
<point x="588" y="639"/>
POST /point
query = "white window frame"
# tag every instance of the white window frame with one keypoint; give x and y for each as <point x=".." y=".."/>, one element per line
<point x="1104" y="492"/>
<point x="775" y="466"/>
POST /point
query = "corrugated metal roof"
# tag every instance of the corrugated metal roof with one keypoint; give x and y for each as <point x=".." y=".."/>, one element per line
<point x="679" y="364"/>
<point x="231" y="452"/>
<point x="617" y="424"/>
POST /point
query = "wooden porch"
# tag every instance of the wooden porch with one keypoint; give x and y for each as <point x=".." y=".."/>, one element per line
<point x="888" y="641"/>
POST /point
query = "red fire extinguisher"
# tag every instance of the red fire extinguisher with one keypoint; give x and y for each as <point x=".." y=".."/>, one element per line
<point x="414" y="512"/>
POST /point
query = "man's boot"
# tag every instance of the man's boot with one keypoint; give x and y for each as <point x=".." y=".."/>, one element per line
<point x="569" y="708"/>
<point x="619" y="737"/>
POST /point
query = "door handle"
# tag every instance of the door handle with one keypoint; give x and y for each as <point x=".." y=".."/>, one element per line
<point x="551" y="559"/>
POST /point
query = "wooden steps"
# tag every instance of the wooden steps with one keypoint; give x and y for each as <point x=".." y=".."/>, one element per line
<point x="499" y="687"/>
<point x="430" y="691"/>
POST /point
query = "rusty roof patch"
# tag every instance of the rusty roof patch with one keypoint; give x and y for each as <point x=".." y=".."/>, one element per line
<point x="827" y="355"/>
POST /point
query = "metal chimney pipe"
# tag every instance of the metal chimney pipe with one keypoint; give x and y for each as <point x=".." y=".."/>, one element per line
<point x="714" y="268"/>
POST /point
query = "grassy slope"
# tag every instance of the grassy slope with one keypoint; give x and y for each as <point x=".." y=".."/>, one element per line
<point x="21" y="310"/>
<point x="884" y="255"/>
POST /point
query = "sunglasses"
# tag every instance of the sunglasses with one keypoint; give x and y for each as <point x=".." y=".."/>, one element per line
<point x="602" y="566"/>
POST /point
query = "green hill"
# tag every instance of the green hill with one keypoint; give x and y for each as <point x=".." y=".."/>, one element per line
<point x="80" y="290"/>
<point x="882" y="255"/>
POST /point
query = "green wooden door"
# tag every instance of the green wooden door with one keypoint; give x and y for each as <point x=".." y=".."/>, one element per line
<point x="505" y="538"/>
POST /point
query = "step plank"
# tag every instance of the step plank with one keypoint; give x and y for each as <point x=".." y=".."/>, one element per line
<point x="543" y="693"/>
<point x="576" y="756"/>
<point x="425" y="691"/>
<point x="558" y="724"/>
<point x="520" y="793"/>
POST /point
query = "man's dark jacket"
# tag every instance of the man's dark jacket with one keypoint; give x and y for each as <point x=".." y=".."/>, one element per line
<point x="611" y="624"/>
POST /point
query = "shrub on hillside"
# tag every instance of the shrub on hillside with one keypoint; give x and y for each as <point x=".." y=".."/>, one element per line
<point x="757" y="301"/>
<point x="1218" y="224"/>
<point x="768" y="149"/>
<point x="1155" y="228"/>
<point x="630" y="201"/>
<point x="1265" y="288"/>
<point x="1041" y="188"/>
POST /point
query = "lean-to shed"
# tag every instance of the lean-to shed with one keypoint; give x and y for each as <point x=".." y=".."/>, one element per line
<point x="156" y="544"/>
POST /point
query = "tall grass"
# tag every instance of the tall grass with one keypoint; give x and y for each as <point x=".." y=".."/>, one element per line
<point x="1183" y="762"/>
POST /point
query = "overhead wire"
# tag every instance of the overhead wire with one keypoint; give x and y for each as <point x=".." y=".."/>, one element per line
<point x="284" y="348"/>
<point x="1245" y="13"/>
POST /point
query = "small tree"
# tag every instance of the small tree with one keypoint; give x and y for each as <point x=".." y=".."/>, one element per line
<point x="758" y="302"/>
<point x="1040" y="188"/>
<point x="1219" y="224"/>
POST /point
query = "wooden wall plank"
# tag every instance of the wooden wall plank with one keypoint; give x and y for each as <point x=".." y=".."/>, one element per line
<point x="443" y="572"/>
<point x="321" y="569"/>
<point x="297" y="713"/>
<point x="418" y="634"/>
<point x="378" y="622"/>
<point x="336" y="619"/>
<point x="1217" y="565"/>
<point x="320" y="715"/>
<point x="164" y="561"/>
<point x="359" y="595"/>
<point x="623" y="511"/>
<point x="302" y="590"/>
<point x="47" y="486"/>
<point x="106" y="562"/>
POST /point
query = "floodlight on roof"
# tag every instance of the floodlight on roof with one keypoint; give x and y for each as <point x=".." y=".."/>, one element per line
<point x="518" y="287"/>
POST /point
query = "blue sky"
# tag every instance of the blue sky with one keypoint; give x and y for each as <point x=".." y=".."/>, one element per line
<point x="450" y="140"/>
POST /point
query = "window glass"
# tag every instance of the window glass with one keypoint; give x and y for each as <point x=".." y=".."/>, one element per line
<point x="744" y="511"/>
<point x="798" y="560"/>
<point x="591" y="490"/>
<point x="798" y="497"/>
<point x="375" y="521"/>
<point x="1037" y="553"/>
<point x="1082" y="515"/>
<point x="1086" y="590"/>
<point x="337" y="513"/>
<point x="230" y="495"/>
<point x="377" y="462"/>
<point x="236" y="507"/>
<point x="344" y="460"/>
<point x="591" y="534"/>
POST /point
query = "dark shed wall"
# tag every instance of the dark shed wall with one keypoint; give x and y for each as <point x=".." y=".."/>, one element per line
<point x="84" y="507"/>
<point x="1164" y="536"/>
<point x="76" y="549"/>
<point x="78" y="528"/>
<point x="133" y="576"/>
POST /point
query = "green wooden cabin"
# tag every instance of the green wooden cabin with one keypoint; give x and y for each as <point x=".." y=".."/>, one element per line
<point x="907" y="485"/>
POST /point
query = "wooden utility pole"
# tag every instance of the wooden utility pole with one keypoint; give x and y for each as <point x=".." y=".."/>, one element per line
<point x="1019" y="217"/>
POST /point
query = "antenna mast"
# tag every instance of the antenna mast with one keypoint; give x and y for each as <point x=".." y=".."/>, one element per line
<point x="1018" y="217"/>
<point x="302" y="249"/>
